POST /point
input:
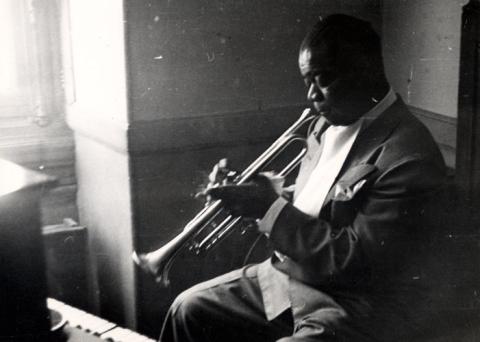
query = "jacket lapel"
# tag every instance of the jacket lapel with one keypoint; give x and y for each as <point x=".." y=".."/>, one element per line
<point x="357" y="165"/>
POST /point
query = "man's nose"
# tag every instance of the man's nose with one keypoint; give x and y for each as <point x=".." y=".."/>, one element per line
<point x="314" y="94"/>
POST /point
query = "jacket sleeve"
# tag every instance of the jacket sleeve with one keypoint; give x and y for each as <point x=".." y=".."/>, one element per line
<point x="384" y="224"/>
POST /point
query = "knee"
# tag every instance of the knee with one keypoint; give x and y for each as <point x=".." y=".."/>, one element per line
<point x="188" y="306"/>
<point x="182" y="322"/>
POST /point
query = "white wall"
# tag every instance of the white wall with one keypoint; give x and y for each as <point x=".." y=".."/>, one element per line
<point x="422" y="51"/>
<point x="98" y="113"/>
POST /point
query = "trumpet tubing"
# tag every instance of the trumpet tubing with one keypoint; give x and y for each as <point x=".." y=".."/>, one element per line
<point x="158" y="262"/>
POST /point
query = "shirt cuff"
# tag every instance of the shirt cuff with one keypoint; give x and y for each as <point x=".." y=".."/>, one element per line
<point x="265" y="225"/>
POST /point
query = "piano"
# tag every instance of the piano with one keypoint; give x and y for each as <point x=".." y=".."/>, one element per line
<point x="81" y="323"/>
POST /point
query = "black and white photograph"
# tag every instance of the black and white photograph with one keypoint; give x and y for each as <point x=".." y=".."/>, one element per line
<point x="240" y="170"/>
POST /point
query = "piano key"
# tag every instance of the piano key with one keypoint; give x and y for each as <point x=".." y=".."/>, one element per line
<point x="95" y="325"/>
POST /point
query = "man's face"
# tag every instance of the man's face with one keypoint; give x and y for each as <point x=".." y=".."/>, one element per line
<point x="332" y="92"/>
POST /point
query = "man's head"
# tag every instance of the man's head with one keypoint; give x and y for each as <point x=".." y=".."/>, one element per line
<point x="341" y="62"/>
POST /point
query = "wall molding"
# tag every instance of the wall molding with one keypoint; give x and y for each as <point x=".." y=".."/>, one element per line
<point x="186" y="133"/>
<point x="226" y="129"/>
<point x="109" y="133"/>
<point x="233" y="128"/>
<point x="443" y="129"/>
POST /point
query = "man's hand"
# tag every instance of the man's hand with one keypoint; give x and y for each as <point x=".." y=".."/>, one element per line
<point x="221" y="173"/>
<point x="250" y="199"/>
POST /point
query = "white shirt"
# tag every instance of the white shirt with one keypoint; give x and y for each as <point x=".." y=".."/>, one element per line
<point x="338" y="141"/>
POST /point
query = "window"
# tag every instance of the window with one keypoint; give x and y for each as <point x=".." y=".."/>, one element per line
<point x="33" y="131"/>
<point x="31" y="76"/>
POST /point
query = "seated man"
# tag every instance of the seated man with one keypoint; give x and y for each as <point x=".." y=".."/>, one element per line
<point x="351" y="246"/>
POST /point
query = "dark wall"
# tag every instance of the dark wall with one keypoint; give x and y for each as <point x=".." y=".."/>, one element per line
<point x="194" y="57"/>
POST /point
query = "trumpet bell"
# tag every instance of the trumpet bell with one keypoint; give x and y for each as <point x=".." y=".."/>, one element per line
<point x="154" y="264"/>
<point x="141" y="260"/>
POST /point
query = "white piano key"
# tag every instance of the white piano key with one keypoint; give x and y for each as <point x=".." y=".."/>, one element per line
<point x="95" y="325"/>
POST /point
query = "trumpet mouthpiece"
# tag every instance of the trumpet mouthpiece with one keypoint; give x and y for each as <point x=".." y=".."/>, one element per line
<point x="306" y="112"/>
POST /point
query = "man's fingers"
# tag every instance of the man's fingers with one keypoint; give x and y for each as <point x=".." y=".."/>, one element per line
<point x="214" y="192"/>
<point x="234" y="197"/>
<point x="229" y="188"/>
<point x="219" y="192"/>
<point x="220" y="171"/>
<point x="249" y="199"/>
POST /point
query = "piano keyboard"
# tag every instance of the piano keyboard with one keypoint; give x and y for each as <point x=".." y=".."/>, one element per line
<point x="95" y="325"/>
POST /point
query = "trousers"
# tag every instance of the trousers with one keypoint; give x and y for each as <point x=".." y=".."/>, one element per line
<point x="230" y="308"/>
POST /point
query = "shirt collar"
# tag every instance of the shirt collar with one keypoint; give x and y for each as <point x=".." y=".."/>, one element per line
<point x="381" y="106"/>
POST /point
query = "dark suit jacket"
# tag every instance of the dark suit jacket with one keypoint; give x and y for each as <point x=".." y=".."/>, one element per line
<point x="377" y="241"/>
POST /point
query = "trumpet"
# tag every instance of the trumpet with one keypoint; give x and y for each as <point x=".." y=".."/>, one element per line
<point x="213" y="223"/>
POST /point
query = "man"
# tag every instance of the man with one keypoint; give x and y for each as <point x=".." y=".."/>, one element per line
<point x="351" y="246"/>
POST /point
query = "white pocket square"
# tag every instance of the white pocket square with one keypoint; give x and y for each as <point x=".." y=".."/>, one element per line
<point x="343" y="192"/>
